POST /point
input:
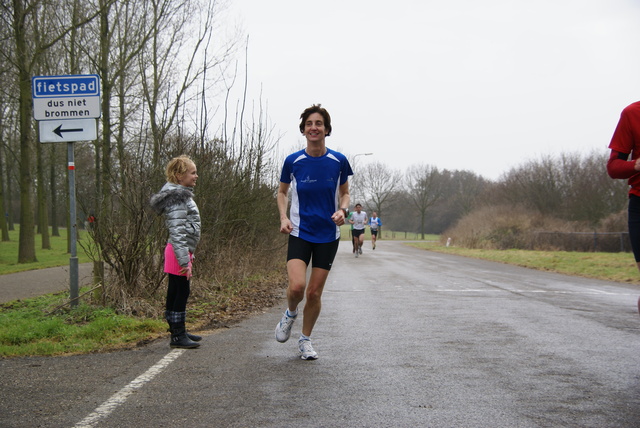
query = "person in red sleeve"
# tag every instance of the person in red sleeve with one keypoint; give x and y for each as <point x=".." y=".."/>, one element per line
<point x="625" y="143"/>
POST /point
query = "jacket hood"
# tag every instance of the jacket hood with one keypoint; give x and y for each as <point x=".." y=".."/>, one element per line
<point x="170" y="194"/>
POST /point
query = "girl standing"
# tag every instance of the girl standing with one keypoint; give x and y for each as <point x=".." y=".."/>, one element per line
<point x="182" y="218"/>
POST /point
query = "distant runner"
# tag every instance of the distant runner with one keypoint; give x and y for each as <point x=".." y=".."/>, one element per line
<point x="358" y="219"/>
<point x="374" y="224"/>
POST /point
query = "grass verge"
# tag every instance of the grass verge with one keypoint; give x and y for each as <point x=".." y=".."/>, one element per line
<point x="56" y="256"/>
<point x="388" y="235"/>
<point x="619" y="267"/>
<point x="27" y="327"/>
<point x="40" y="327"/>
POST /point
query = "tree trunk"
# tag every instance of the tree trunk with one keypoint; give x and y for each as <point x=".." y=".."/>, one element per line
<point x="9" y="197"/>
<point x="3" y="203"/>
<point x="53" y="191"/>
<point x="27" y="247"/>
<point x="43" y="211"/>
<point x="105" y="47"/>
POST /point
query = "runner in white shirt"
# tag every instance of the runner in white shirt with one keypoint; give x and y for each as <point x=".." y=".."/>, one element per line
<point x="358" y="219"/>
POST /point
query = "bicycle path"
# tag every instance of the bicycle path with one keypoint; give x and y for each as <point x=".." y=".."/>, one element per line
<point x="34" y="283"/>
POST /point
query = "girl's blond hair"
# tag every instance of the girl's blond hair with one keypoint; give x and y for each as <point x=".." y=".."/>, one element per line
<point x="177" y="167"/>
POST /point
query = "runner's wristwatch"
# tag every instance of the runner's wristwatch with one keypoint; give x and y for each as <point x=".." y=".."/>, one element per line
<point x="345" y="211"/>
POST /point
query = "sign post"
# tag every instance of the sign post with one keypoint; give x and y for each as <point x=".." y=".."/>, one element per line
<point x="73" y="260"/>
<point x="66" y="108"/>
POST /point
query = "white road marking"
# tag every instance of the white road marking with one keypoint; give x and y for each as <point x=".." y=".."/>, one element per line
<point x="121" y="396"/>
<point x="599" y="291"/>
<point x="586" y="291"/>
<point x="481" y="290"/>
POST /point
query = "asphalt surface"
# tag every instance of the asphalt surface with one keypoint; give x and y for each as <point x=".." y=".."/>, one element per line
<point x="33" y="283"/>
<point x="406" y="338"/>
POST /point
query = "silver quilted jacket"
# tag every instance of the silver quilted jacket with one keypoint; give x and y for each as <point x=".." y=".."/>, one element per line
<point x="182" y="218"/>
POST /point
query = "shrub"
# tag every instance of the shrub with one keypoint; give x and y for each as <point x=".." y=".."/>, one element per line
<point x="507" y="227"/>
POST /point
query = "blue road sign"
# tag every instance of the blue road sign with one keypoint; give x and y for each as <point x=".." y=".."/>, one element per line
<point x="66" y="97"/>
<point x="80" y="85"/>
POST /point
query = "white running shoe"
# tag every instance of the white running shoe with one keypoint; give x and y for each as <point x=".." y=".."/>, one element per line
<point x="283" y="329"/>
<point x="360" y="250"/>
<point x="306" y="350"/>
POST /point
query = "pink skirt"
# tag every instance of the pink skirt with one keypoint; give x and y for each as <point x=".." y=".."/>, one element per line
<point x="171" y="264"/>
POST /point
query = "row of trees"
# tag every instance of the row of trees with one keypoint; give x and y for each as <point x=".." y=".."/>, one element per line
<point x="572" y="188"/>
<point x="156" y="59"/>
<point x="162" y="63"/>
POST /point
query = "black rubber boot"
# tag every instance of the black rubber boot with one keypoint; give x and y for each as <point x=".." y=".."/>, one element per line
<point x="194" y="337"/>
<point x="179" y="338"/>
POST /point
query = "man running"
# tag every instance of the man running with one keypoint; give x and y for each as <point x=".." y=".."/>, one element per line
<point x="374" y="224"/>
<point x="358" y="219"/>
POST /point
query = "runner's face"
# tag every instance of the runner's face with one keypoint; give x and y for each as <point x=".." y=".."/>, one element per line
<point x="314" y="127"/>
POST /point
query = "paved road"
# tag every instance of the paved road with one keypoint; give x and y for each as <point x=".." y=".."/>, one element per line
<point x="406" y="338"/>
<point x="33" y="283"/>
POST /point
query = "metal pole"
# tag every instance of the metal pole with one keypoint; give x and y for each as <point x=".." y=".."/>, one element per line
<point x="73" y="260"/>
<point x="353" y="188"/>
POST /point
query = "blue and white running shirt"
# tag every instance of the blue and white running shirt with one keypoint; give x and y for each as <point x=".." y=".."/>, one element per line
<point x="315" y="183"/>
<point x="374" y="223"/>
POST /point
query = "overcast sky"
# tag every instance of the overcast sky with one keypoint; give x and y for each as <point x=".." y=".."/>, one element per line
<point x="459" y="84"/>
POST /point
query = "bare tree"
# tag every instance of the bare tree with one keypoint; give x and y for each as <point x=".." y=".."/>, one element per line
<point x="590" y="194"/>
<point x="535" y="184"/>
<point x="425" y="186"/>
<point x="20" y="19"/>
<point x="6" y="110"/>
<point x="379" y="182"/>
<point x="53" y="190"/>
<point x="172" y="63"/>
<point x="571" y="186"/>
<point x="21" y="12"/>
<point x="357" y="183"/>
<point x="465" y="191"/>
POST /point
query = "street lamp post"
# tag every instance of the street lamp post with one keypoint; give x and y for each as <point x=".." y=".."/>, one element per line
<point x="360" y="154"/>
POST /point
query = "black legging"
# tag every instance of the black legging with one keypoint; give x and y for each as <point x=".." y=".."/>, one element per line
<point x="634" y="225"/>
<point x="178" y="293"/>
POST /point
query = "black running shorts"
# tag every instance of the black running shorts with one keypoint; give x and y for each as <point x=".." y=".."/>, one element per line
<point x="634" y="225"/>
<point x="321" y="254"/>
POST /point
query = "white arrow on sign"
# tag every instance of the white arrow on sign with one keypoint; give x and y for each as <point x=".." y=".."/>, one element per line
<point x="60" y="131"/>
